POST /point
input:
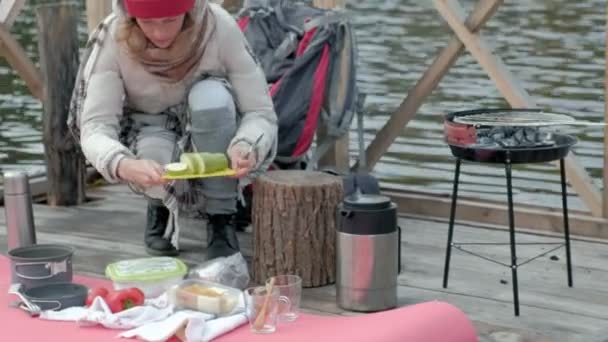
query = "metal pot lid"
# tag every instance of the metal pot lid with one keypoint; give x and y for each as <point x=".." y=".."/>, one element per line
<point x="367" y="201"/>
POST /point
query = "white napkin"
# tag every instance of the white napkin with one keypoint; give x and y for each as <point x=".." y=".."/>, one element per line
<point x="100" y="314"/>
<point x="155" y="321"/>
<point x="217" y="327"/>
<point x="198" y="327"/>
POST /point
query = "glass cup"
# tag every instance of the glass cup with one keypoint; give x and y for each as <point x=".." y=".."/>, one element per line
<point x="289" y="286"/>
<point x="262" y="308"/>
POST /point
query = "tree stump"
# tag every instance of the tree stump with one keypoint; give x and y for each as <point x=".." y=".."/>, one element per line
<point x="294" y="225"/>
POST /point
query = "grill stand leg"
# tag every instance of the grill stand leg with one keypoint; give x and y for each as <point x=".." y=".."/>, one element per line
<point x="448" y="249"/>
<point x="562" y="169"/>
<point x="512" y="236"/>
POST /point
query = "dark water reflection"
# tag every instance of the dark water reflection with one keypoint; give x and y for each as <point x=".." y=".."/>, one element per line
<point x="554" y="47"/>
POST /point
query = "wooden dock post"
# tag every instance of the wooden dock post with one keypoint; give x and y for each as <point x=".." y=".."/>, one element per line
<point x="294" y="225"/>
<point x="58" y="50"/>
<point x="337" y="156"/>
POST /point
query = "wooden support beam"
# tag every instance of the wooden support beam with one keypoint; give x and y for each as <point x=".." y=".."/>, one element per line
<point x="454" y="15"/>
<point x="517" y="97"/>
<point x="337" y="156"/>
<point x="9" y="10"/>
<point x="19" y="60"/>
<point x="533" y="218"/>
<point x="97" y="10"/>
<point x="428" y="82"/>
<point x="58" y="49"/>
<point x="582" y="183"/>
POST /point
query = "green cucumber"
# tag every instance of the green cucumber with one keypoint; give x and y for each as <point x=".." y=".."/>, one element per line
<point x="201" y="163"/>
<point x="176" y="169"/>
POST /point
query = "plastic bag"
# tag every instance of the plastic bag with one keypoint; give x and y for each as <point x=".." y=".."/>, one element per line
<point x="229" y="271"/>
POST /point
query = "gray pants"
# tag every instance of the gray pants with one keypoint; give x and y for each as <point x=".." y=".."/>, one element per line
<point x="213" y="127"/>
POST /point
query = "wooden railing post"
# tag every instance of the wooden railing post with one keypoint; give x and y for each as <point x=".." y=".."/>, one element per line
<point x="58" y="51"/>
<point x="97" y="10"/>
<point x="337" y="156"/>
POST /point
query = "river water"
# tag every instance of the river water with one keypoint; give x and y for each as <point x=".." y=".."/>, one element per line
<point x="555" y="48"/>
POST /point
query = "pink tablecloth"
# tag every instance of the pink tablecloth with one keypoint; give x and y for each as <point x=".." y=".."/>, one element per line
<point x="432" y="321"/>
<point x="426" y="322"/>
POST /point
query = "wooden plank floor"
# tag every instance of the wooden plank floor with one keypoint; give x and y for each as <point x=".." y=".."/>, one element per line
<point x="110" y="228"/>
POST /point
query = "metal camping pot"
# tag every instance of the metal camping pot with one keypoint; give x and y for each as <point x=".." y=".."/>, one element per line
<point x="368" y="253"/>
<point x="38" y="265"/>
<point x="57" y="296"/>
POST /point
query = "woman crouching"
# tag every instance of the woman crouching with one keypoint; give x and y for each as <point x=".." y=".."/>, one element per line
<point x="160" y="78"/>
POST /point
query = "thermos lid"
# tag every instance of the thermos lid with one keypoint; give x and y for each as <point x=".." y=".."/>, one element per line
<point x="366" y="201"/>
<point x="16" y="183"/>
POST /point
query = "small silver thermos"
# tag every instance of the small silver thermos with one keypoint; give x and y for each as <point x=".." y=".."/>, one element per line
<point x="18" y="210"/>
<point x="368" y="253"/>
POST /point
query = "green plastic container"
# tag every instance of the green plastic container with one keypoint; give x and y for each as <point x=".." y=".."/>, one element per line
<point x="153" y="275"/>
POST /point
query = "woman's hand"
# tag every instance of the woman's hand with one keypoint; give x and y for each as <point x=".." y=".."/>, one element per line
<point x="242" y="159"/>
<point x="144" y="173"/>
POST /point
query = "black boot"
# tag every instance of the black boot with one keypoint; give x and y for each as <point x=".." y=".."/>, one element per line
<point x="221" y="236"/>
<point x="158" y="216"/>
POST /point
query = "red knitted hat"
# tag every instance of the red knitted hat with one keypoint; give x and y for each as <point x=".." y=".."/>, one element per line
<point x="157" y="8"/>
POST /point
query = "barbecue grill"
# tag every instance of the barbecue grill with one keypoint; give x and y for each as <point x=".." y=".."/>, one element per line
<point x="466" y="141"/>
<point x="495" y="141"/>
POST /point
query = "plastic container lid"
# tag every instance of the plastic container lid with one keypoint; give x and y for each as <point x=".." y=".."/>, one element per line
<point x="146" y="269"/>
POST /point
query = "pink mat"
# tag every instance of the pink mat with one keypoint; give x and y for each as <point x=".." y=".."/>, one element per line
<point x="426" y="322"/>
<point x="421" y="323"/>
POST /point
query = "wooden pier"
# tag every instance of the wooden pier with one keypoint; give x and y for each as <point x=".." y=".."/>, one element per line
<point x="110" y="227"/>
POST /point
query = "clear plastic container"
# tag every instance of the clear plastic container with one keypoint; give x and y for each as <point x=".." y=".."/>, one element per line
<point x="205" y="296"/>
<point x="153" y="276"/>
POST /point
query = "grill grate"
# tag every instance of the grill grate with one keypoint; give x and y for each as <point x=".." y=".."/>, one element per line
<point x="521" y="119"/>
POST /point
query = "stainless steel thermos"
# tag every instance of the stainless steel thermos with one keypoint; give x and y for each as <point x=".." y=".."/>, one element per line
<point x="18" y="210"/>
<point x="368" y="253"/>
